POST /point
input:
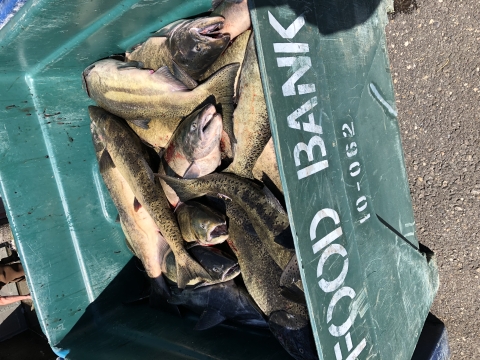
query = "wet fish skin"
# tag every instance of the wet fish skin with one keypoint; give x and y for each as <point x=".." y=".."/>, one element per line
<point x="295" y="335"/>
<point x="194" y="149"/>
<point x="154" y="103"/>
<point x="200" y="223"/>
<point x="192" y="44"/>
<point x="125" y="150"/>
<point x="219" y="265"/>
<point x="140" y="230"/>
<point x="260" y="272"/>
<point x="267" y="165"/>
<point x="268" y="218"/>
<point x="237" y="17"/>
<point x="288" y="320"/>
<point x="217" y="303"/>
<point x="251" y="125"/>
<point x="235" y="53"/>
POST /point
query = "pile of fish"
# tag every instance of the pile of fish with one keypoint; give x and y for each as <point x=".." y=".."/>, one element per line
<point x="183" y="142"/>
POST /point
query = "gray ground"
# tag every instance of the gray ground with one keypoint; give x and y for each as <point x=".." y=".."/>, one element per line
<point x="435" y="62"/>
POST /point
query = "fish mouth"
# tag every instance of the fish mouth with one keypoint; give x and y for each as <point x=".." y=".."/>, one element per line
<point x="208" y="117"/>
<point x="212" y="31"/>
<point x="231" y="272"/>
<point x="218" y="234"/>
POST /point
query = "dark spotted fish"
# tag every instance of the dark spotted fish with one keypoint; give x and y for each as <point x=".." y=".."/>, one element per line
<point x="269" y="219"/>
<point x="251" y="125"/>
<point x="123" y="149"/>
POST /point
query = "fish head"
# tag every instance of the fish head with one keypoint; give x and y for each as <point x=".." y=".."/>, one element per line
<point x="209" y="225"/>
<point x="196" y="44"/>
<point x="200" y="133"/>
<point x="219" y="265"/>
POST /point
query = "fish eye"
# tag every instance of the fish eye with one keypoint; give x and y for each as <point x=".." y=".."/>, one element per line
<point x="197" y="47"/>
<point x="203" y="226"/>
<point x="194" y="126"/>
<point x="216" y="269"/>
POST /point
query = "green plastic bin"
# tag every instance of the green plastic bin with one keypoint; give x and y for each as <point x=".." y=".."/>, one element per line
<point x="368" y="284"/>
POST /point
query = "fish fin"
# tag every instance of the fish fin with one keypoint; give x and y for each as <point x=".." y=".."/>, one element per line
<point x="272" y="199"/>
<point x="222" y="85"/>
<point x="180" y="187"/>
<point x="166" y="30"/>
<point x="188" y="269"/>
<point x="159" y="295"/>
<point x="136" y="205"/>
<point x="209" y="318"/>
<point x="105" y="163"/>
<point x="117" y="219"/>
<point x="192" y="172"/>
<point x="291" y="273"/>
<point x="166" y="76"/>
<point x="131" y="64"/>
<point x="141" y="123"/>
<point x="181" y="75"/>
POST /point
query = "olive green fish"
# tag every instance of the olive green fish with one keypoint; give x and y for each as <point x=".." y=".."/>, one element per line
<point x="154" y="102"/>
<point x="251" y="125"/>
<point x="267" y="165"/>
<point x="191" y="44"/>
<point x="201" y="223"/>
<point x="269" y="219"/>
<point x="194" y="149"/>
<point x="123" y="149"/>
<point x="260" y="272"/>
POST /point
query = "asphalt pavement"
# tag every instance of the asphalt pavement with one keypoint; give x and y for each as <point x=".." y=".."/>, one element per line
<point x="434" y="55"/>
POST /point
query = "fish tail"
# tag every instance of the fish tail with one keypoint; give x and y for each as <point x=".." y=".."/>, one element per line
<point x="188" y="269"/>
<point x="181" y="188"/>
<point x="222" y="85"/>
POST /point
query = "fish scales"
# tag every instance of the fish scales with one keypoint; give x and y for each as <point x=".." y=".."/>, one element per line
<point x="125" y="149"/>
<point x="268" y="218"/>
<point x="267" y="165"/>
<point x="156" y="97"/>
<point x="259" y="271"/>
<point x="153" y="53"/>
<point x="251" y="125"/>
